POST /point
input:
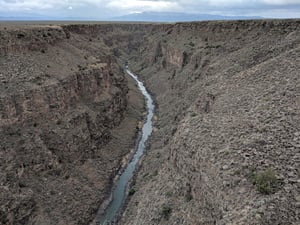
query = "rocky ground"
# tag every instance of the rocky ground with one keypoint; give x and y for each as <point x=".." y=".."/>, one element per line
<point x="226" y="143"/>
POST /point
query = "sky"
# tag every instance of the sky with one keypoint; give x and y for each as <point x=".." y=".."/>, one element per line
<point x="105" y="9"/>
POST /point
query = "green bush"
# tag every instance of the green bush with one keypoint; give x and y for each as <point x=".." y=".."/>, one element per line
<point x="193" y="114"/>
<point x="266" y="182"/>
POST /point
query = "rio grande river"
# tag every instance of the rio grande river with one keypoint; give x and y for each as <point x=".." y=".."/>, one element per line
<point x="119" y="191"/>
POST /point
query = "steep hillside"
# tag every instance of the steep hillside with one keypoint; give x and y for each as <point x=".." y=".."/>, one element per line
<point x="228" y="95"/>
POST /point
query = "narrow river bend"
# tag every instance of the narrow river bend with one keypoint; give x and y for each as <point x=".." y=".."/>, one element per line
<point x="119" y="191"/>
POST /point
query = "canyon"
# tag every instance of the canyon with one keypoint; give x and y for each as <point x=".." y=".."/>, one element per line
<point x="227" y="100"/>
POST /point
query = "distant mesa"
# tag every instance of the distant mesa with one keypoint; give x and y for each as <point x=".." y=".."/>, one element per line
<point x="142" y="17"/>
<point x="177" y="17"/>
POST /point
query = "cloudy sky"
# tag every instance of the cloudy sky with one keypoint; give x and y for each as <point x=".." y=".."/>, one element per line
<point x="104" y="9"/>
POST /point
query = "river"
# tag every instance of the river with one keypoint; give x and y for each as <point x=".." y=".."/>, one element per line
<point x="119" y="192"/>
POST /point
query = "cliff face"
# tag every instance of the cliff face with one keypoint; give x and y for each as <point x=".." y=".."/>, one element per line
<point x="62" y="99"/>
<point x="228" y="101"/>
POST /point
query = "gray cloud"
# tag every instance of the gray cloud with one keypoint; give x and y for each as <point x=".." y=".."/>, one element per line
<point x="109" y="8"/>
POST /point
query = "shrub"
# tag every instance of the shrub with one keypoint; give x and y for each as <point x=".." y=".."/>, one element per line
<point x="188" y="197"/>
<point x="169" y="194"/>
<point x="213" y="46"/>
<point x="192" y="44"/>
<point x="166" y="211"/>
<point x="185" y="59"/>
<point x="20" y="36"/>
<point x="266" y="182"/>
<point x="193" y="114"/>
<point x="131" y="192"/>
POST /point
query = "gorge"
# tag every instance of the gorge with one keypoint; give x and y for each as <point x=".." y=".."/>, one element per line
<point x="227" y="98"/>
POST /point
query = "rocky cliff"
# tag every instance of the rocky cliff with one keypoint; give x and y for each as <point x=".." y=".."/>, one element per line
<point x="64" y="103"/>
